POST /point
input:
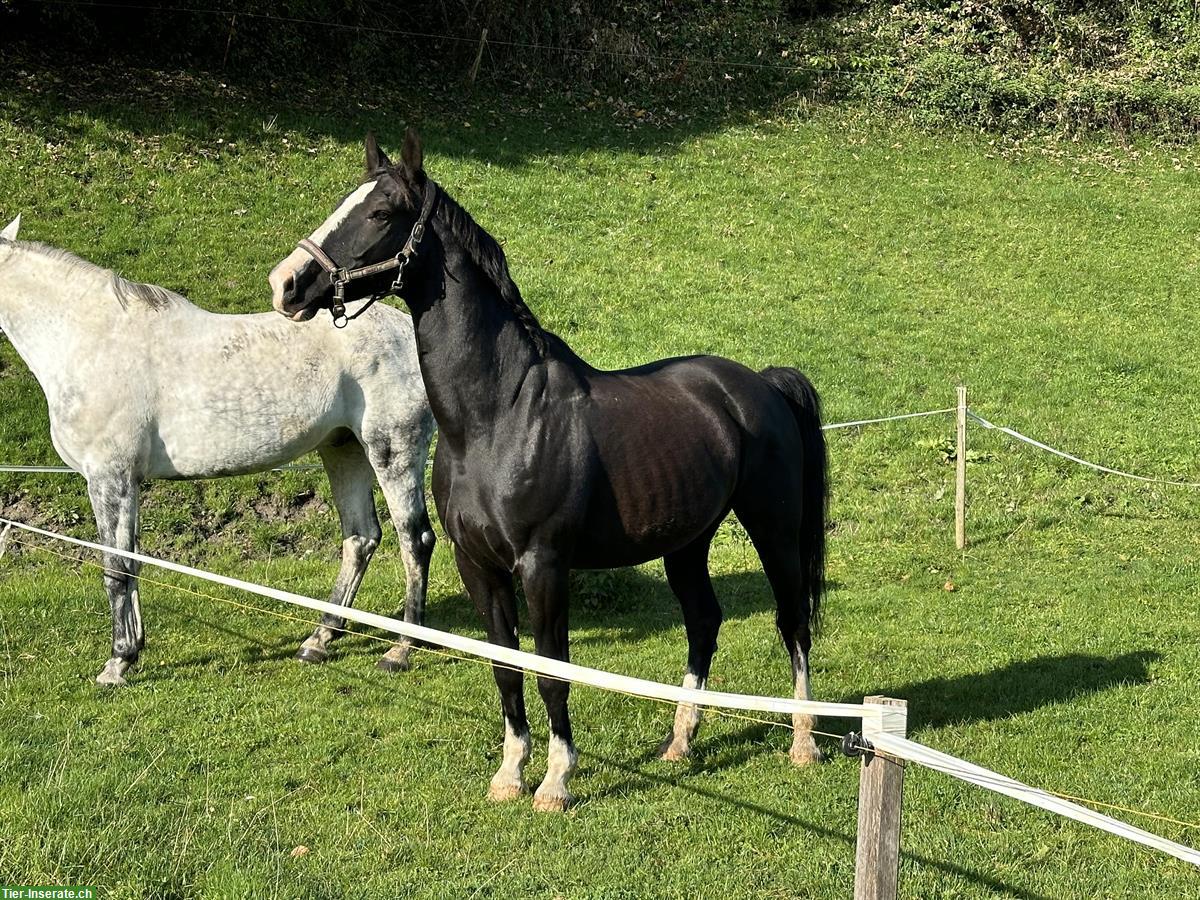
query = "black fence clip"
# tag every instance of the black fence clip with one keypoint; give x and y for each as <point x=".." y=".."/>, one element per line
<point x="854" y="744"/>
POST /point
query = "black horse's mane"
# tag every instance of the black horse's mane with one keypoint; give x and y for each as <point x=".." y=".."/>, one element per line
<point x="487" y="253"/>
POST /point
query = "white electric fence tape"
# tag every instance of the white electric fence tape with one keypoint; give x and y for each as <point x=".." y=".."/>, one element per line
<point x="894" y="745"/>
<point x="518" y="658"/>
<point x="39" y="469"/>
<point x="1075" y="459"/>
<point x="916" y="415"/>
<point x="639" y="687"/>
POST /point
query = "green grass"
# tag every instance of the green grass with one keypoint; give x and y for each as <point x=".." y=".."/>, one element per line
<point x="887" y="263"/>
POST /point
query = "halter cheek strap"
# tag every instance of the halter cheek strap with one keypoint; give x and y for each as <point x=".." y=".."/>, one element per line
<point x="340" y="276"/>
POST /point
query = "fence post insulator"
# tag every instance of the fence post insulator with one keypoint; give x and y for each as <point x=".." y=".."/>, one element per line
<point x="854" y="745"/>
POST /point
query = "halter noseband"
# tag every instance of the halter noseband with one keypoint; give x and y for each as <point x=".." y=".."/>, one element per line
<point x="341" y="276"/>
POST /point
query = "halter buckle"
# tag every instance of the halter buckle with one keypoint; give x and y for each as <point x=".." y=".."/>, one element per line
<point x="398" y="281"/>
<point x="337" y="309"/>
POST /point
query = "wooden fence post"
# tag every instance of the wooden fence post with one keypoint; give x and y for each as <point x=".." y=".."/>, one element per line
<point x="478" y="58"/>
<point x="960" y="474"/>
<point x="880" y="792"/>
<point x="229" y="41"/>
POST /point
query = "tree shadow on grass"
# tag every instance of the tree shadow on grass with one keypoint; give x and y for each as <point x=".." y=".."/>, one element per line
<point x="64" y="95"/>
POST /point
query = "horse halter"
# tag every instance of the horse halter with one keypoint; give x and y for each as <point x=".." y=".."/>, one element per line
<point x="340" y="276"/>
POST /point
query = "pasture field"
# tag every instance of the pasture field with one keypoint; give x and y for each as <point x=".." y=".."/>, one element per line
<point x="887" y="263"/>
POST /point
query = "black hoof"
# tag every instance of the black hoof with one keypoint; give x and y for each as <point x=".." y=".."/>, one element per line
<point x="393" y="665"/>
<point x="308" y="655"/>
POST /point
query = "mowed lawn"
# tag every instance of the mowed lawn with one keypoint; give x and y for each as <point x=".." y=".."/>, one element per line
<point x="890" y="265"/>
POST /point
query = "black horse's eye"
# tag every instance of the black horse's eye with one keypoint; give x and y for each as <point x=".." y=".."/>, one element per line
<point x="380" y="215"/>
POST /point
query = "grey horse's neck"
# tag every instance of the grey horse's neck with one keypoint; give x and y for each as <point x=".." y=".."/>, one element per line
<point x="51" y="300"/>
<point x="87" y="291"/>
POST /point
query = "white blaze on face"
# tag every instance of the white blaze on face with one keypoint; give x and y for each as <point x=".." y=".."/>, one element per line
<point x="287" y="269"/>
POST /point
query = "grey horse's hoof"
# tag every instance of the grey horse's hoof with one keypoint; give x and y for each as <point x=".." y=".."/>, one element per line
<point x="388" y="664"/>
<point x="311" y="655"/>
<point x="396" y="659"/>
<point x="112" y="675"/>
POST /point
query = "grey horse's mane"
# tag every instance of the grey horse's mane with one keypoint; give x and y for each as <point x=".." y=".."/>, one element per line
<point x="150" y="296"/>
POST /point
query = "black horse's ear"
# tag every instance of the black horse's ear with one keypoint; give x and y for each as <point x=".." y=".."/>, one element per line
<point x="410" y="154"/>
<point x="376" y="158"/>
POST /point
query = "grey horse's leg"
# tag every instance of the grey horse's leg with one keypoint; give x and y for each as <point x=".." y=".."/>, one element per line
<point x="400" y="467"/>
<point x="353" y="482"/>
<point x="115" y="505"/>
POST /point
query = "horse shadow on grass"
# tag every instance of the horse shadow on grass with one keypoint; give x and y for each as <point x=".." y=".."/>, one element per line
<point x="241" y="647"/>
<point x="1020" y="687"/>
<point x="608" y="608"/>
<point x="626" y="606"/>
<point x="640" y="775"/>
<point x="612" y="607"/>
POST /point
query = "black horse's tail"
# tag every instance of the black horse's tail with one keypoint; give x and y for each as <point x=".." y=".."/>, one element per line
<point x="806" y="406"/>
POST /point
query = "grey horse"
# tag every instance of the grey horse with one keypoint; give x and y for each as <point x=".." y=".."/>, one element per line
<point x="141" y="385"/>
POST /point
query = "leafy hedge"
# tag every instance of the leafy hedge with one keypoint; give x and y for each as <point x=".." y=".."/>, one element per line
<point x="1019" y="64"/>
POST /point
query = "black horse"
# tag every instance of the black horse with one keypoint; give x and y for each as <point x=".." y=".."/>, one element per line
<point x="545" y="464"/>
